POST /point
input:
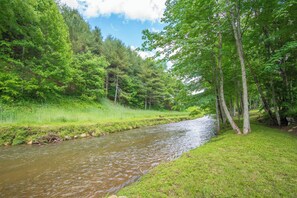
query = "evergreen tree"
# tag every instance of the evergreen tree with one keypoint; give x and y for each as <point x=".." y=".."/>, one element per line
<point x="35" y="50"/>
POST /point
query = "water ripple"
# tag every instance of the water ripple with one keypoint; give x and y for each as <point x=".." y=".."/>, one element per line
<point x="96" y="166"/>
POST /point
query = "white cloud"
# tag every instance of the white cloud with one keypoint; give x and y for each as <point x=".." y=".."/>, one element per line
<point x="133" y="47"/>
<point x="154" y="30"/>
<point x="151" y="10"/>
<point x="169" y="64"/>
<point x="143" y="54"/>
<point x="71" y="3"/>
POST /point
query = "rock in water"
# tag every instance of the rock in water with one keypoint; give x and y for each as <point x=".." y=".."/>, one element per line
<point x="83" y="135"/>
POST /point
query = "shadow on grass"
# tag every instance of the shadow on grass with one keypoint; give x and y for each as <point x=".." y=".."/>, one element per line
<point x="218" y="138"/>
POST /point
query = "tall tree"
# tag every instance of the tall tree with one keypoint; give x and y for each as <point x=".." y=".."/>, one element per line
<point x="191" y="43"/>
<point x="35" y="50"/>
<point x="234" y="11"/>
<point x="116" y="54"/>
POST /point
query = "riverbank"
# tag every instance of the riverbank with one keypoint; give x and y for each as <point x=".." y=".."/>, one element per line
<point x="14" y="135"/>
<point x="71" y="110"/>
<point x="68" y="119"/>
<point x="261" y="164"/>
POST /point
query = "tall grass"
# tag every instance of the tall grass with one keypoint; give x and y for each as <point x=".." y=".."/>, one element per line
<point x="72" y="110"/>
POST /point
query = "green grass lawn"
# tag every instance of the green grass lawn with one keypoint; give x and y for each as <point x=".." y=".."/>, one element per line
<point x="261" y="164"/>
<point x="73" y="111"/>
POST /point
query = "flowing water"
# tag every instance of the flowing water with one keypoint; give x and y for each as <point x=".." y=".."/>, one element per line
<point x="95" y="167"/>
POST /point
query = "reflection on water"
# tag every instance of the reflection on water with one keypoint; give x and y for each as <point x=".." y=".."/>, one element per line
<point x="93" y="167"/>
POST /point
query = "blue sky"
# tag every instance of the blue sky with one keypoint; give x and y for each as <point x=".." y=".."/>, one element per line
<point x="127" y="30"/>
<point x="123" y="19"/>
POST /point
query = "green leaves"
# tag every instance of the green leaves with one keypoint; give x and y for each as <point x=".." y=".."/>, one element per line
<point x="35" y="49"/>
<point x="88" y="76"/>
<point x="47" y="52"/>
<point x="189" y="40"/>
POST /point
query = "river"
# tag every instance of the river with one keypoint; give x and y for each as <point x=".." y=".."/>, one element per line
<point x="95" y="167"/>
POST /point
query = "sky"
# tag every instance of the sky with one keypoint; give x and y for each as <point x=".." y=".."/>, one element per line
<point x="123" y="19"/>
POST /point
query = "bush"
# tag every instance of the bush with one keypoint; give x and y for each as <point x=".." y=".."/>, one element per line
<point x="194" y="111"/>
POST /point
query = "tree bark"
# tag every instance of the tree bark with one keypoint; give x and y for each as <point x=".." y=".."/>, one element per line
<point x="276" y="109"/>
<point x="235" y="20"/>
<point x="222" y="113"/>
<point x="217" y="113"/>
<point x="261" y="93"/>
<point x="106" y="85"/>
<point x="238" y="96"/>
<point x="116" y="90"/>
<point x="215" y="83"/>
<point x="221" y="88"/>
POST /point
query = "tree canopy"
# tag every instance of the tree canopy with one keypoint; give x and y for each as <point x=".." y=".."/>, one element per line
<point x="244" y="49"/>
<point x="49" y="51"/>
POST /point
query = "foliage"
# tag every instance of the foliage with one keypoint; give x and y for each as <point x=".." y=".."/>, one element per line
<point x="49" y="52"/>
<point x="35" y="50"/>
<point x="88" y="76"/>
<point x="190" y="39"/>
<point x="194" y="111"/>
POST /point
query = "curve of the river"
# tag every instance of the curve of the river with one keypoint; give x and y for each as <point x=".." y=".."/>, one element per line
<point x="94" y="167"/>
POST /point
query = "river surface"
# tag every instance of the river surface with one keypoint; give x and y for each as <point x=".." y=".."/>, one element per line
<point x="95" y="167"/>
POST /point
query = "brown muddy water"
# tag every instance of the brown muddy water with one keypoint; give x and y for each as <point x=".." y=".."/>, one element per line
<point x="95" y="167"/>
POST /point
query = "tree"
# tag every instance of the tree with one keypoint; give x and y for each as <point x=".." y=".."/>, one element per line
<point x="194" y="45"/>
<point x="116" y="54"/>
<point x="35" y="50"/>
<point x="234" y="12"/>
<point x="88" y="76"/>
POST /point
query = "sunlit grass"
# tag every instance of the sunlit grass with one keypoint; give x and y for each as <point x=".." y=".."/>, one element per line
<point x="261" y="164"/>
<point x="71" y="110"/>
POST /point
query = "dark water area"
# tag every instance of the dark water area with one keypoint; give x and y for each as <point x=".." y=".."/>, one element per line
<point x="95" y="167"/>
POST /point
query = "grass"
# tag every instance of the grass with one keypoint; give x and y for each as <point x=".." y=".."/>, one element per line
<point x="70" y="119"/>
<point x="261" y="164"/>
<point x="73" y="111"/>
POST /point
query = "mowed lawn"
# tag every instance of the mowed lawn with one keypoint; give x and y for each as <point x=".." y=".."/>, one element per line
<point x="261" y="164"/>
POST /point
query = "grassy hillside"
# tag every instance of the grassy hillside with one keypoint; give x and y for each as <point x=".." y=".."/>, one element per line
<point x="261" y="164"/>
<point x="71" y="110"/>
<point x="33" y="123"/>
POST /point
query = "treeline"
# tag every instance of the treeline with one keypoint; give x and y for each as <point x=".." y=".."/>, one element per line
<point x="49" y="51"/>
<point x="243" y="54"/>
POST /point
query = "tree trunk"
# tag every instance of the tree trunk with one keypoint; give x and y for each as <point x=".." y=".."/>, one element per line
<point x="238" y="95"/>
<point x="263" y="98"/>
<point x="222" y="113"/>
<point x="116" y="90"/>
<point x="221" y="89"/>
<point x="276" y="109"/>
<point x="106" y="85"/>
<point x="218" y="106"/>
<point x="217" y="113"/>
<point x="215" y="82"/>
<point x="232" y="109"/>
<point x="265" y="103"/>
<point x="235" y="20"/>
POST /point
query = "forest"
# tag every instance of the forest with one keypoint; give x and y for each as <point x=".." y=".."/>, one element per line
<point x="241" y="53"/>
<point x="48" y="51"/>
